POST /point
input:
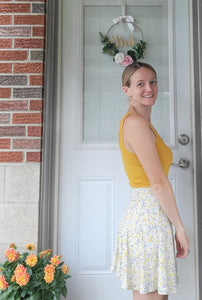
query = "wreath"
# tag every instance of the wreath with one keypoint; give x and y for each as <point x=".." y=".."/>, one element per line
<point x="119" y="57"/>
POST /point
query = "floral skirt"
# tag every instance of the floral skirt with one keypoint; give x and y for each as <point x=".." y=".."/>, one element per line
<point x="144" y="256"/>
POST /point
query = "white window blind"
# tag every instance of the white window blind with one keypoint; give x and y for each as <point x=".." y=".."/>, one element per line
<point x="104" y="103"/>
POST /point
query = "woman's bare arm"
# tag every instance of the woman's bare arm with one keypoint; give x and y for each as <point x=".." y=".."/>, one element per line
<point x="139" y="139"/>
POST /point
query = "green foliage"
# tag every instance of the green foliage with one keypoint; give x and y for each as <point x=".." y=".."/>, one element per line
<point x="36" y="288"/>
<point x="109" y="47"/>
<point x="136" y="52"/>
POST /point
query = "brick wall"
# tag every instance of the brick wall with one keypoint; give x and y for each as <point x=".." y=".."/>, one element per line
<point x="22" y="32"/>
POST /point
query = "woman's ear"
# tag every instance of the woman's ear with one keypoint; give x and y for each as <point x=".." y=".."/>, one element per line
<point x="125" y="90"/>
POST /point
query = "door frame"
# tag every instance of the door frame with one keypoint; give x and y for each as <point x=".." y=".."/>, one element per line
<point x="49" y="200"/>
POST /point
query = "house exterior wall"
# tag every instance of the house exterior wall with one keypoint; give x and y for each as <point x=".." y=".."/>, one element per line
<point x="22" y="33"/>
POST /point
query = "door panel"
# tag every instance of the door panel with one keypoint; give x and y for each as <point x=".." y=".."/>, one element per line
<point x="94" y="190"/>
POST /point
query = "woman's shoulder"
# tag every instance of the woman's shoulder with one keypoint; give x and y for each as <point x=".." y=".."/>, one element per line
<point x="135" y="120"/>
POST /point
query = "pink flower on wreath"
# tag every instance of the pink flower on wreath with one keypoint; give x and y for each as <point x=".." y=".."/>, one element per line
<point x="127" y="61"/>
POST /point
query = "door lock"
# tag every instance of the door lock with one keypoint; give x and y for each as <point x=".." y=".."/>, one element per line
<point x="183" y="139"/>
<point x="183" y="163"/>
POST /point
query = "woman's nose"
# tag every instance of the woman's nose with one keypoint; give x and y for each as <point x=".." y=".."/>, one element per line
<point x="148" y="87"/>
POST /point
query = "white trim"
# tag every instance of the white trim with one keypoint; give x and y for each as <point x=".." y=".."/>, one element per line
<point x="128" y="3"/>
<point x="194" y="146"/>
<point x="172" y="90"/>
<point x="168" y="12"/>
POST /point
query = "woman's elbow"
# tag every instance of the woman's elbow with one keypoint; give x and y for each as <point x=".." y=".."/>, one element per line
<point x="159" y="184"/>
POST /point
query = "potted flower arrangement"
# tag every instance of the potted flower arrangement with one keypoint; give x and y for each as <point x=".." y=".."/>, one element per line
<point x="32" y="276"/>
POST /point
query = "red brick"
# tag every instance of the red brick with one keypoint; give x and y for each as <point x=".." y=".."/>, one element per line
<point x="5" y="20"/>
<point x="36" y="105"/>
<point x="34" y="157"/>
<point x="5" y="143"/>
<point x="14" y="8"/>
<point x="27" y="118"/>
<point x="4" y="118"/>
<point x="29" y="43"/>
<point x="12" y="131"/>
<point x="36" y="80"/>
<point x="11" y="156"/>
<point x="26" y="143"/>
<point x="31" y="0"/>
<point x="13" y="55"/>
<point x="14" y="31"/>
<point x="13" y="105"/>
<point x="38" y="31"/>
<point x="5" y="43"/>
<point x="28" y="68"/>
<point x="5" y="92"/>
<point x="29" y="20"/>
<point x="5" y="68"/>
<point x="35" y="131"/>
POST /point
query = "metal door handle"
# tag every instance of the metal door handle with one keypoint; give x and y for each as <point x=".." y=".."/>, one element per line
<point x="183" y="163"/>
<point x="183" y="139"/>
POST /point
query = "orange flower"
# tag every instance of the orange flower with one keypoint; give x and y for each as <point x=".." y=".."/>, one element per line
<point x="19" y="269"/>
<point x="13" y="278"/>
<point x="65" y="269"/>
<point x="30" y="247"/>
<point x="47" y="252"/>
<point x="22" y="279"/>
<point x="3" y="283"/>
<point x="31" y="260"/>
<point x="13" y="246"/>
<point x="49" y="277"/>
<point x="49" y="269"/>
<point x="55" y="260"/>
<point x="11" y="255"/>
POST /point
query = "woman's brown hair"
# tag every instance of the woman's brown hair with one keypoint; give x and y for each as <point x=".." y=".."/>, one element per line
<point x="131" y="69"/>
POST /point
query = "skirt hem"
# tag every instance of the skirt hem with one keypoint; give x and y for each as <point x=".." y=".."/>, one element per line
<point x="144" y="291"/>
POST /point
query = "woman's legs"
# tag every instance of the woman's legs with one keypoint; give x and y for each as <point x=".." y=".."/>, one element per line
<point x="149" y="296"/>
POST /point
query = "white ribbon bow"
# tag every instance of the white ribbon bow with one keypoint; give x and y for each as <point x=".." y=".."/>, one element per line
<point x="128" y="19"/>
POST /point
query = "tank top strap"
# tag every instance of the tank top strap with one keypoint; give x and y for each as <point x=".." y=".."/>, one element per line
<point x="122" y="122"/>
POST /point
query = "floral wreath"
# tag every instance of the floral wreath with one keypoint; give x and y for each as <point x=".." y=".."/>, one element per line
<point x="119" y="57"/>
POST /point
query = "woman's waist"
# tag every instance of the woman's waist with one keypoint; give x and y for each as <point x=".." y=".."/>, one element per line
<point x="143" y="197"/>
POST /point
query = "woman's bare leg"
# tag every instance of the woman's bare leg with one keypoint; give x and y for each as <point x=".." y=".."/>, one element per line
<point x="149" y="296"/>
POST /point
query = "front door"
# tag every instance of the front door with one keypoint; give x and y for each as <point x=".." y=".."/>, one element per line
<point x="94" y="190"/>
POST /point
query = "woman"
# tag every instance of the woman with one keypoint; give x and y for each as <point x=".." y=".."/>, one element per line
<point x="144" y="257"/>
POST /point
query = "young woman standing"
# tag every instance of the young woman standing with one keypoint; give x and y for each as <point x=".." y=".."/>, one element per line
<point x="144" y="257"/>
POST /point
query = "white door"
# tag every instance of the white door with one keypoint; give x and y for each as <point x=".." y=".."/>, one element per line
<point x="94" y="190"/>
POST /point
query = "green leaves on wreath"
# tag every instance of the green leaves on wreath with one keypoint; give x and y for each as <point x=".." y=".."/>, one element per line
<point x="137" y="51"/>
<point x="109" y="47"/>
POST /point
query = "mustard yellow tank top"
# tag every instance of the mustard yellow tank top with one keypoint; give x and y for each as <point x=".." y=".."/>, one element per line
<point x="133" y="168"/>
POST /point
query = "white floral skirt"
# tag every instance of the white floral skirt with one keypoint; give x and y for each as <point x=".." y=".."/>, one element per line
<point x="144" y="256"/>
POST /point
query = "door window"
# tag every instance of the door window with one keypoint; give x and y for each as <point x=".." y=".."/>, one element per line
<point x="104" y="103"/>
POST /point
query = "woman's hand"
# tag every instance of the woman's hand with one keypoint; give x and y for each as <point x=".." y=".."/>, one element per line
<point x="182" y="244"/>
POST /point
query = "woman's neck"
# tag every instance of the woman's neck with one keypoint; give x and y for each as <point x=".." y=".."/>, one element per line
<point x="145" y="112"/>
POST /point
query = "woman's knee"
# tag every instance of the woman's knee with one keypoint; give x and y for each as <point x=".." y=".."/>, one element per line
<point x="149" y="296"/>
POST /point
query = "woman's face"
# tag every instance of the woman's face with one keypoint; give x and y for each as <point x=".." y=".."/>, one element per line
<point x="143" y="89"/>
